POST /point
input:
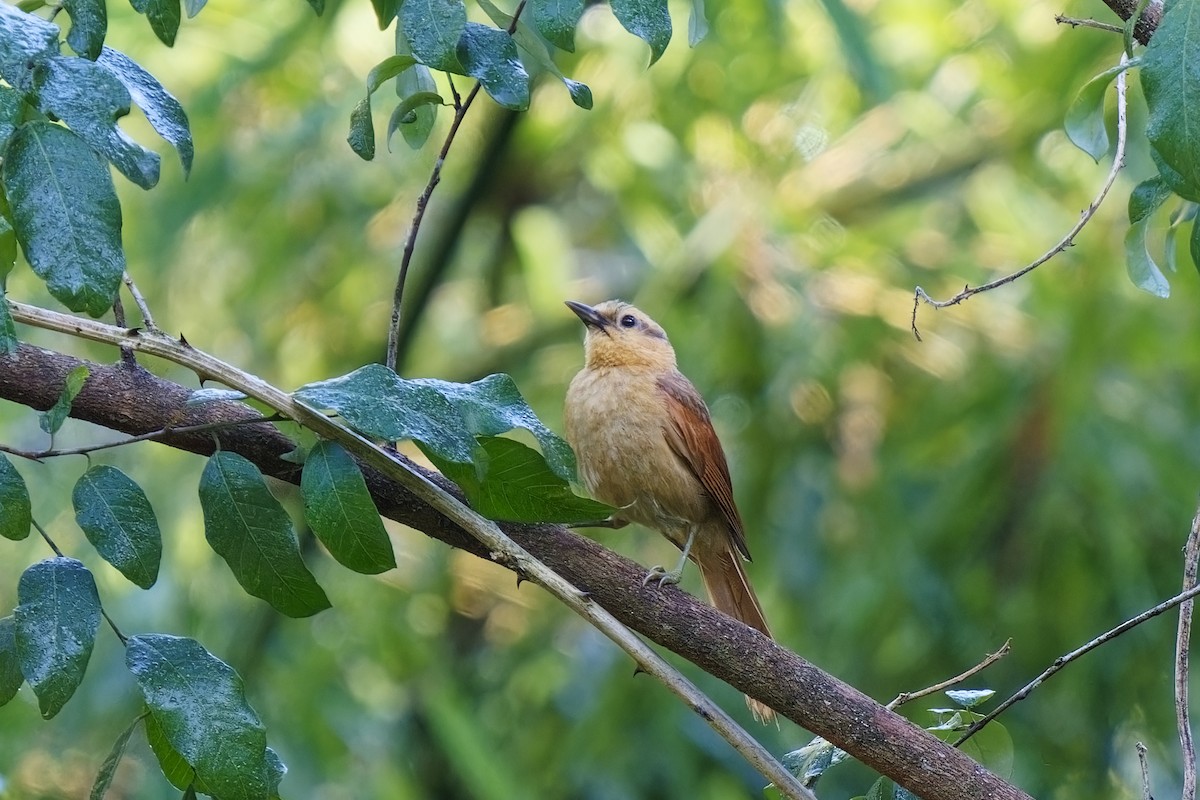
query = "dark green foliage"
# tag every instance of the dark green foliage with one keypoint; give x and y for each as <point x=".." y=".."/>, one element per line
<point x="10" y="666"/>
<point x="649" y="20"/>
<point x="108" y="769"/>
<point x="198" y="703"/>
<point x="55" y="625"/>
<point x="16" y="515"/>
<point x="119" y="522"/>
<point x="248" y="528"/>
<point x="340" y="511"/>
<point x="89" y="24"/>
<point x="66" y="215"/>
<point x="56" y="415"/>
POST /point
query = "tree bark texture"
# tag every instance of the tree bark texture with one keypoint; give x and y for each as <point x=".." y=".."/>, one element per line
<point x="132" y="400"/>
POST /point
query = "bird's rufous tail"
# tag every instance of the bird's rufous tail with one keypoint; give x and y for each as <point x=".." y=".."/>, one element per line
<point x="730" y="591"/>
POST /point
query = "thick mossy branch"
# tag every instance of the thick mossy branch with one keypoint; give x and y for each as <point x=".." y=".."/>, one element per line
<point x="133" y="401"/>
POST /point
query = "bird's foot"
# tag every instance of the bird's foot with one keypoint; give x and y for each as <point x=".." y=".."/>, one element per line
<point x="663" y="575"/>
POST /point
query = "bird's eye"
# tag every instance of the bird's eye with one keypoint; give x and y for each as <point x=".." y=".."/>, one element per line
<point x="628" y="321"/>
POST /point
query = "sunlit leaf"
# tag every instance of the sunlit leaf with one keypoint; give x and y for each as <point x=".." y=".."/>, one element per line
<point x="556" y="20"/>
<point x="194" y="7"/>
<point x="433" y="28"/>
<point x="340" y="511"/>
<point x="66" y="215"/>
<point x="108" y="769"/>
<point x="697" y="24"/>
<point x="89" y="24"/>
<point x="535" y="54"/>
<point x="16" y="515"/>
<point x="385" y="11"/>
<point x="57" y="616"/>
<point x="649" y="20"/>
<point x="407" y="113"/>
<point x="200" y="705"/>
<point x="490" y="56"/>
<point x="248" y="528"/>
<point x="444" y="416"/>
<point x="10" y="666"/>
<point x="518" y="486"/>
<point x="162" y="110"/>
<point x="53" y="418"/>
<point x="164" y="17"/>
<point x="415" y="124"/>
<point x="387" y="69"/>
<point x="813" y="759"/>
<point x="1144" y="273"/>
<point x="1171" y="86"/>
<point x="969" y="698"/>
<point x="119" y="522"/>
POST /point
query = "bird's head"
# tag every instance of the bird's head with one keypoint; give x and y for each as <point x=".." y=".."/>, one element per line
<point x="619" y="335"/>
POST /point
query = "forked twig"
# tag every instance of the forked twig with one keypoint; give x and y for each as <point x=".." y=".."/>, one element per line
<point x="992" y="658"/>
<point x="920" y="294"/>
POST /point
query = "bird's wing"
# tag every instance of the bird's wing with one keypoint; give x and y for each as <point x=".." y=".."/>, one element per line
<point x="691" y="436"/>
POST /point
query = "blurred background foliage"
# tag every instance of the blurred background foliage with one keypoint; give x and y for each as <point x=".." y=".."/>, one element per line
<point x="771" y="197"/>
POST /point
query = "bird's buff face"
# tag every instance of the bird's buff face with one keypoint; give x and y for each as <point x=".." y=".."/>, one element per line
<point x="619" y="335"/>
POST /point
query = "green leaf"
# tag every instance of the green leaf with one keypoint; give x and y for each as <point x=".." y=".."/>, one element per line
<point x="16" y="515"/>
<point x="66" y="215"/>
<point x="490" y="56"/>
<point x="387" y="69"/>
<point x="194" y="7"/>
<point x="10" y="666"/>
<point x="56" y="622"/>
<point x="174" y="768"/>
<point x="813" y="760"/>
<point x="53" y="418"/>
<point x="318" y="6"/>
<point x="25" y="39"/>
<point x="8" y="336"/>
<point x="880" y="790"/>
<point x="969" y="698"/>
<point x="1084" y="122"/>
<point x="1144" y="273"/>
<point x="1170" y="77"/>
<point x="362" y="130"/>
<point x="164" y="113"/>
<point x="199" y="704"/>
<point x="164" y="17"/>
<point x="649" y="20"/>
<point x="416" y="80"/>
<point x="90" y="100"/>
<point x="535" y="54"/>
<point x="1194" y="245"/>
<point x="108" y="769"/>
<point x="556" y="21"/>
<point x="1177" y="182"/>
<point x="385" y="11"/>
<point x="340" y="511"/>
<point x="116" y="516"/>
<point x="11" y="108"/>
<point x="518" y="487"/>
<point x="248" y="528"/>
<point x="697" y="23"/>
<point x="407" y="113"/>
<point x="445" y="417"/>
<point x="1146" y="198"/>
<point x="433" y="28"/>
<point x="89" y="24"/>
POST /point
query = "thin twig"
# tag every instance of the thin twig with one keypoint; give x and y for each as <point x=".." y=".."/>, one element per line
<point x="435" y="177"/>
<point x="127" y="357"/>
<point x="1067" y="241"/>
<point x="1063" y="660"/>
<point x="33" y="455"/>
<point x="1191" y="562"/>
<point x="488" y="533"/>
<point x="46" y="536"/>
<point x="1141" y="751"/>
<point x="1074" y="22"/>
<point x="140" y="302"/>
<point x="124" y="639"/>
<point x="992" y="658"/>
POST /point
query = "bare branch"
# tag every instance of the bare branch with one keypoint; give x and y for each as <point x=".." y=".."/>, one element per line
<point x="1087" y="23"/>
<point x="1141" y="752"/>
<point x="1191" y="561"/>
<point x="992" y="658"/>
<point x="1063" y="660"/>
<point x="140" y="302"/>
<point x="134" y="401"/>
<point x="1067" y="241"/>
<point x="461" y="107"/>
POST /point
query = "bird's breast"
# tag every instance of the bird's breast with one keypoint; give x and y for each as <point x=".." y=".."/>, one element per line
<point x="615" y="422"/>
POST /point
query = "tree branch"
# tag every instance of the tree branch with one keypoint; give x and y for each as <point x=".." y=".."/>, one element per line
<point x="133" y="401"/>
<point x="1191" y="561"/>
<point x="1150" y="17"/>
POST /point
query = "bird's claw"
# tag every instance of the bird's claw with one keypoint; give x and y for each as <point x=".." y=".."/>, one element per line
<point x="663" y="575"/>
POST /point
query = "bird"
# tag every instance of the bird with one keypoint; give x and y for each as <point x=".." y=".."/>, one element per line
<point x="645" y="444"/>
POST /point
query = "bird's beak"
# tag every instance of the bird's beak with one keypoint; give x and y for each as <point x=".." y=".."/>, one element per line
<point x="588" y="315"/>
